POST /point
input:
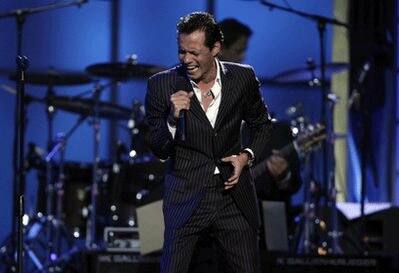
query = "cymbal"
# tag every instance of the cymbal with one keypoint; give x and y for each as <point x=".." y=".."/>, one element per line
<point x="305" y="74"/>
<point x="85" y="106"/>
<point x="270" y="82"/>
<point x="53" y="77"/>
<point x="123" y="70"/>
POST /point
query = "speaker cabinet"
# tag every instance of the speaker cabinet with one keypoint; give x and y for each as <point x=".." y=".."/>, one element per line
<point x="377" y="233"/>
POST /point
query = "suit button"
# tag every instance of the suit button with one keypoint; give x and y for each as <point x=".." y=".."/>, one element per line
<point x="216" y="134"/>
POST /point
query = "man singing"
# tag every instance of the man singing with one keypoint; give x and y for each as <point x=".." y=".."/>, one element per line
<point x="194" y="112"/>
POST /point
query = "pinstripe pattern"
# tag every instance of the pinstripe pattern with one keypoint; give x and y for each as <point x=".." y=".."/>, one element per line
<point x="218" y="214"/>
<point x="192" y="162"/>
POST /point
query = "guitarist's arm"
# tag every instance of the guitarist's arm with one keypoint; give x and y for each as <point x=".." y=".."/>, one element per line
<point x="282" y="174"/>
<point x="292" y="181"/>
<point x="278" y="174"/>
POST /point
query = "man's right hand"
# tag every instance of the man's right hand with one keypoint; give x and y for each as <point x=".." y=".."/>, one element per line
<point x="180" y="100"/>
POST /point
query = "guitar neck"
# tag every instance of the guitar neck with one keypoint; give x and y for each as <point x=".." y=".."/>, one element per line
<point x="305" y="142"/>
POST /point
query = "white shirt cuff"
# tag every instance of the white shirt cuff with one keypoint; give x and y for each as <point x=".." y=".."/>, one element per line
<point x="172" y="129"/>
<point x="251" y="152"/>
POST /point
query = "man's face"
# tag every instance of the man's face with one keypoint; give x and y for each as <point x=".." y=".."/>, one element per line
<point x="236" y="52"/>
<point x="196" y="56"/>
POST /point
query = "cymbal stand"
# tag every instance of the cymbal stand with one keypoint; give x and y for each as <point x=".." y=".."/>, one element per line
<point x="50" y="112"/>
<point x="327" y="97"/>
<point x="87" y="92"/>
<point x="91" y="226"/>
<point x="56" y="218"/>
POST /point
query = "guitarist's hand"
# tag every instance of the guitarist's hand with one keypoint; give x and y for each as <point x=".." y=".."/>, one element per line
<point x="276" y="164"/>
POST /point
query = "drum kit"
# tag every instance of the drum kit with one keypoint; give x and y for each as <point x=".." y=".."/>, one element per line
<point x="80" y="199"/>
<point x="76" y="200"/>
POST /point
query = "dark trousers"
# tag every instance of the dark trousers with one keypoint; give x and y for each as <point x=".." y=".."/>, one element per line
<point x="217" y="214"/>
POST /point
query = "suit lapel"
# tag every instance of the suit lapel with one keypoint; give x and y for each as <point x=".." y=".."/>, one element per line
<point x="227" y="84"/>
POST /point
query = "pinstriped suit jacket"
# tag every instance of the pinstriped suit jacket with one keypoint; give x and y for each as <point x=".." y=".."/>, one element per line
<point x="192" y="163"/>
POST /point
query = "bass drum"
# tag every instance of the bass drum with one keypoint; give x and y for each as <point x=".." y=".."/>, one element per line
<point x="132" y="185"/>
<point x="77" y="197"/>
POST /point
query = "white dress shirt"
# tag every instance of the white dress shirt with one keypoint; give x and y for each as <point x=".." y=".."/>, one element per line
<point x="213" y="108"/>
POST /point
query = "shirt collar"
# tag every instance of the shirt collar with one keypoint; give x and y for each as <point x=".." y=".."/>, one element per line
<point x="217" y="86"/>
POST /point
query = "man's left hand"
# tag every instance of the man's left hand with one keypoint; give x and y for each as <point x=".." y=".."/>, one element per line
<point x="238" y="162"/>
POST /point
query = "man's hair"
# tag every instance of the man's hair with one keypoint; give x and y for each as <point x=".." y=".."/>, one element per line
<point x="201" y="21"/>
<point x="232" y="30"/>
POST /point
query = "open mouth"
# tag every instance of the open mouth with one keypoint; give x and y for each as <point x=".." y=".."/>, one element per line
<point x="192" y="68"/>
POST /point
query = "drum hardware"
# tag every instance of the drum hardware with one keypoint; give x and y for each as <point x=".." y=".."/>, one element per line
<point x="20" y="16"/>
<point x="85" y="106"/>
<point x="51" y="225"/>
<point x="307" y="76"/>
<point x="77" y="104"/>
<point x="34" y="158"/>
<point x="37" y="245"/>
<point x="27" y="98"/>
<point x="310" y="74"/>
<point x="82" y="106"/>
<point x="53" y="77"/>
<point x="56" y="216"/>
<point x="55" y="184"/>
<point x="122" y="71"/>
<point x="91" y="225"/>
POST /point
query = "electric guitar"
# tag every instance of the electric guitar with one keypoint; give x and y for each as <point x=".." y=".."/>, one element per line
<point x="305" y="142"/>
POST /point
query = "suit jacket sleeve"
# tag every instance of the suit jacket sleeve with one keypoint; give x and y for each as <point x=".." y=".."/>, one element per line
<point x="159" y="138"/>
<point x="257" y="118"/>
<point x="267" y="187"/>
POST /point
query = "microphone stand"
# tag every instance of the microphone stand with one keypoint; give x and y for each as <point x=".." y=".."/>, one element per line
<point x="358" y="102"/>
<point x="18" y="146"/>
<point x="19" y="173"/>
<point x="327" y="98"/>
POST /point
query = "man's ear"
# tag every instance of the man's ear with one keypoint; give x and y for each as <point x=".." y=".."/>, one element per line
<point x="217" y="47"/>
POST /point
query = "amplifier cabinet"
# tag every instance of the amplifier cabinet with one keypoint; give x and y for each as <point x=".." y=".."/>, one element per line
<point x="121" y="262"/>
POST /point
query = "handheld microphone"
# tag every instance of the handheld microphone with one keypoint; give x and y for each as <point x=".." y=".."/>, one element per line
<point x="182" y="84"/>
